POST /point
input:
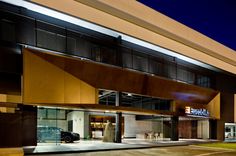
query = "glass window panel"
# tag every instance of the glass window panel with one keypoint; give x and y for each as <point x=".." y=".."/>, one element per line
<point x="184" y="75"/>
<point x="60" y="43"/>
<point x="83" y="48"/>
<point x="7" y="32"/>
<point x="140" y="62"/>
<point x="203" y="81"/>
<point x="170" y="70"/>
<point x="46" y="39"/>
<point x="108" y="55"/>
<point x="126" y="57"/>
<point x="61" y="114"/>
<point x="191" y="77"/>
<point x="25" y="30"/>
<point x="42" y="114"/>
<point x="96" y="53"/>
<point x="52" y="113"/>
<point x="155" y="67"/>
<point x="71" y="45"/>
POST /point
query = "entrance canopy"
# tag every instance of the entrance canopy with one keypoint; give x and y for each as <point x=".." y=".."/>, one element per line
<point x="59" y="80"/>
<point x="125" y="80"/>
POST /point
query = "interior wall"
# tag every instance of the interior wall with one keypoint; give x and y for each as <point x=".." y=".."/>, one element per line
<point x="166" y="129"/>
<point x="143" y="127"/>
<point x="185" y="129"/>
<point x="133" y="126"/>
<point x="203" y="129"/>
<point x="80" y="122"/>
<point x="45" y="83"/>
<point x="129" y="126"/>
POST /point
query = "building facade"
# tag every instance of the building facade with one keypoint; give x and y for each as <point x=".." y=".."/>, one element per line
<point x="77" y="64"/>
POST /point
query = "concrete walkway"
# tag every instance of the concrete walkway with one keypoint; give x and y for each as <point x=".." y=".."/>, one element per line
<point x="97" y="145"/>
<point x="160" y="151"/>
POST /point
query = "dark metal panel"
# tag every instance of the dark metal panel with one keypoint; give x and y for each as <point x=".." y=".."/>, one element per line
<point x="10" y="58"/>
<point x="10" y="83"/>
<point x="29" y="125"/>
<point x="10" y="130"/>
<point x="17" y="28"/>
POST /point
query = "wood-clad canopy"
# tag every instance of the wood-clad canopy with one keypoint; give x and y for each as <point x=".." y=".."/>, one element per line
<point x="125" y="80"/>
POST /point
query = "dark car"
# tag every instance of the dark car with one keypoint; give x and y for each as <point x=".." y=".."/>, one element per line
<point x="45" y="133"/>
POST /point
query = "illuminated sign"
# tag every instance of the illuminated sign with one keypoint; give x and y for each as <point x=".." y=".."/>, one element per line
<point x="196" y="112"/>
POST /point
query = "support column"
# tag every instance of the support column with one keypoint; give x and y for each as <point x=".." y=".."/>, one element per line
<point x="118" y="98"/>
<point x="118" y="127"/>
<point x="212" y="129"/>
<point x="174" y="128"/>
<point x="118" y="119"/>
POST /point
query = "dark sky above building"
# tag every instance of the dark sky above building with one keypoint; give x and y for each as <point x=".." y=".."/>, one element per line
<point x="213" y="18"/>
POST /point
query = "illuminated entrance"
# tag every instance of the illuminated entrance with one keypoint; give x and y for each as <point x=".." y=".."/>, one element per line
<point x="230" y="131"/>
<point x="56" y="126"/>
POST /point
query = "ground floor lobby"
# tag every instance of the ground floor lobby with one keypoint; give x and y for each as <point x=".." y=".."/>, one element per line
<point x="56" y="125"/>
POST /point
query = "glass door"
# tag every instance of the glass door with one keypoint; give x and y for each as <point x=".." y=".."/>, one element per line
<point x="230" y="131"/>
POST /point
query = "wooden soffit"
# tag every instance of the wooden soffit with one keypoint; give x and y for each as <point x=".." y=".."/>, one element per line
<point x="125" y="80"/>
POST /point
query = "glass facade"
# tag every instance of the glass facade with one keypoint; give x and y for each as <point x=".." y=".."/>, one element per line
<point x="230" y="132"/>
<point x="56" y="126"/>
<point x="107" y="97"/>
<point x="52" y="34"/>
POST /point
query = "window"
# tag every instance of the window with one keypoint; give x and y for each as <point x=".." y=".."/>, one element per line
<point x="170" y="70"/>
<point x="51" y="114"/>
<point x="203" y="81"/>
<point x="127" y="60"/>
<point x="7" y="30"/>
<point x="185" y="75"/>
<point x="78" y="45"/>
<point x="25" y="30"/>
<point x="108" y="55"/>
<point x="140" y="61"/>
<point x="155" y="66"/>
<point x="51" y="37"/>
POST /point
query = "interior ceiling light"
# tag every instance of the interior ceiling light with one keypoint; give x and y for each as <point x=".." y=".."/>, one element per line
<point x="59" y="15"/>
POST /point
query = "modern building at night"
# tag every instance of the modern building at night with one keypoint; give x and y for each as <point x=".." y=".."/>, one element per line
<point x="74" y="64"/>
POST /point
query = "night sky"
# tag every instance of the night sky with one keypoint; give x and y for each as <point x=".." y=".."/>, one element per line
<point x="213" y="18"/>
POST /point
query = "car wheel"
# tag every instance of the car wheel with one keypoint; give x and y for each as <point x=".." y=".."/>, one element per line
<point x="68" y="139"/>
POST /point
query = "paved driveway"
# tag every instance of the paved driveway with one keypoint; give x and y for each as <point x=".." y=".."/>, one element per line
<point x="160" y="151"/>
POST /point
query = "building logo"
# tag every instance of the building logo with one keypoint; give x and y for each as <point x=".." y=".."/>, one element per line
<point x="196" y="112"/>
